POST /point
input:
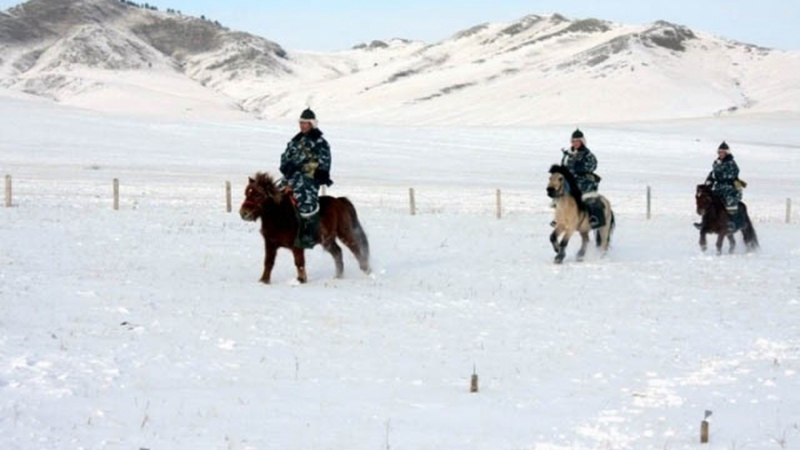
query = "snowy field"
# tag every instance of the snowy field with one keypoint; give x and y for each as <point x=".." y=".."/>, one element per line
<point x="146" y="327"/>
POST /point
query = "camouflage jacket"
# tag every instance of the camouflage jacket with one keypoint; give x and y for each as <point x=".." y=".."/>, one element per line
<point x="307" y="155"/>
<point x="582" y="163"/>
<point x="723" y="172"/>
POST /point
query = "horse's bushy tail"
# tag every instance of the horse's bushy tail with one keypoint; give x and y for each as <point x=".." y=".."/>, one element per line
<point x="598" y="236"/>
<point x="359" y="235"/>
<point x="749" y="233"/>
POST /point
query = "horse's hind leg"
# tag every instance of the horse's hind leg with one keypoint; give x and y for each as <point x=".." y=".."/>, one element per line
<point x="333" y="248"/>
<point x="300" y="264"/>
<point x="703" y="242"/>
<point x="584" y="242"/>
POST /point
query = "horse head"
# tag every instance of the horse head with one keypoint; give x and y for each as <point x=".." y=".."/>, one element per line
<point x="703" y="198"/>
<point x="259" y="194"/>
<point x="562" y="183"/>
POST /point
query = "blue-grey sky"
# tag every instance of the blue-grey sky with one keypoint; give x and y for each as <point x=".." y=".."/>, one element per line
<point x="326" y="25"/>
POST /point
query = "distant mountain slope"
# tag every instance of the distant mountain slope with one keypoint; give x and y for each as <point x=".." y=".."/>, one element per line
<point x="537" y="69"/>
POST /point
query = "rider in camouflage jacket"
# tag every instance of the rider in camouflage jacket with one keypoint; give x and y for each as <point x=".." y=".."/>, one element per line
<point x="306" y="165"/>
<point x="723" y="177"/>
<point x="582" y="163"/>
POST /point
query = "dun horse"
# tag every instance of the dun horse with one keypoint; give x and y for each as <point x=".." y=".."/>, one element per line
<point x="572" y="215"/>
<point x="338" y="219"/>
<point x="715" y="220"/>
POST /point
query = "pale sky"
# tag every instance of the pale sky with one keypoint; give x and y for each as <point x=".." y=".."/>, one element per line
<point x="326" y="25"/>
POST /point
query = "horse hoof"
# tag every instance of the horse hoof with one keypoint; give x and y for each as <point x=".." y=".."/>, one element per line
<point x="558" y="260"/>
<point x="579" y="258"/>
<point x="264" y="280"/>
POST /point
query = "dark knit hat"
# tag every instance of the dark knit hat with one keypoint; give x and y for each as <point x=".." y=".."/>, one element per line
<point x="723" y="146"/>
<point x="577" y="134"/>
<point x="308" y="115"/>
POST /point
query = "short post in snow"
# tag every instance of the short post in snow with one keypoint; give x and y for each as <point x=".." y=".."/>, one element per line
<point x="228" y="202"/>
<point x="649" y="202"/>
<point x="704" y="428"/>
<point x="499" y="205"/>
<point x="788" y="210"/>
<point x="412" y="202"/>
<point x="8" y="191"/>
<point x="473" y="382"/>
<point x="116" y="194"/>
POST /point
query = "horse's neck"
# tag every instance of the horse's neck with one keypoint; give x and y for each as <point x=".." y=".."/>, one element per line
<point x="716" y="209"/>
<point x="281" y="215"/>
<point x="566" y="202"/>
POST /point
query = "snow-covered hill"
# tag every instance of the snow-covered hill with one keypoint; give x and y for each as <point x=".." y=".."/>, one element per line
<point x="535" y="70"/>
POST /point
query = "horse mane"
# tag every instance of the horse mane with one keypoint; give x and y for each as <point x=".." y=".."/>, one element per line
<point x="266" y="183"/>
<point x="572" y="183"/>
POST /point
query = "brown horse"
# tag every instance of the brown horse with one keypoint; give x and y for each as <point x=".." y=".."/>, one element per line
<point x="338" y="219"/>
<point x="715" y="220"/>
<point x="572" y="214"/>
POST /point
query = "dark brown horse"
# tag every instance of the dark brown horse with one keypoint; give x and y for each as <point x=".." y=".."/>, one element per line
<point x="715" y="220"/>
<point x="338" y="219"/>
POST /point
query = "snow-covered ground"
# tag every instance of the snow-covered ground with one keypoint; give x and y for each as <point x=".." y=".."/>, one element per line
<point x="146" y="327"/>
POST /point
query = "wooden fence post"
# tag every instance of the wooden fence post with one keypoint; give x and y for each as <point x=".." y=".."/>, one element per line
<point x="499" y="205"/>
<point x="412" y="202"/>
<point x="116" y="194"/>
<point x="649" y="202"/>
<point x="228" y="203"/>
<point x="8" y="191"/>
<point x="788" y="210"/>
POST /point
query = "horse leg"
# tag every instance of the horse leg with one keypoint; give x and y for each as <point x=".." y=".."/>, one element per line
<point x="554" y="237"/>
<point x="300" y="263"/>
<point x="720" y="238"/>
<point x="333" y="248"/>
<point x="732" y="242"/>
<point x="562" y="248"/>
<point x="703" y="242"/>
<point x="270" y="251"/>
<point x="584" y="242"/>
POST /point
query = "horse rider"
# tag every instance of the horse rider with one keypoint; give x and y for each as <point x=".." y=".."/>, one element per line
<point x="306" y="165"/>
<point x="582" y="163"/>
<point x="725" y="183"/>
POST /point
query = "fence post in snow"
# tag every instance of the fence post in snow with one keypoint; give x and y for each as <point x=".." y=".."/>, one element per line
<point x="788" y="210"/>
<point x="473" y="381"/>
<point x="228" y="203"/>
<point x="649" y="202"/>
<point x="499" y="205"/>
<point x="116" y="194"/>
<point x="412" y="203"/>
<point x="704" y="427"/>
<point x="8" y="191"/>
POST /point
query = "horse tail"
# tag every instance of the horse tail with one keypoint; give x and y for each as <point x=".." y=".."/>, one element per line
<point x="598" y="237"/>
<point x="749" y="233"/>
<point x="359" y="235"/>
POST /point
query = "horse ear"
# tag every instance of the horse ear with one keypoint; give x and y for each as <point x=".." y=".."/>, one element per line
<point x="251" y="179"/>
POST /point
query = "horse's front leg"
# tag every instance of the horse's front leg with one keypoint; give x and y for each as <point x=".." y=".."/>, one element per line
<point x="703" y="242"/>
<point x="731" y="243"/>
<point x="720" y="240"/>
<point x="562" y="248"/>
<point x="270" y="250"/>
<point x="584" y="242"/>
<point x="300" y="264"/>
